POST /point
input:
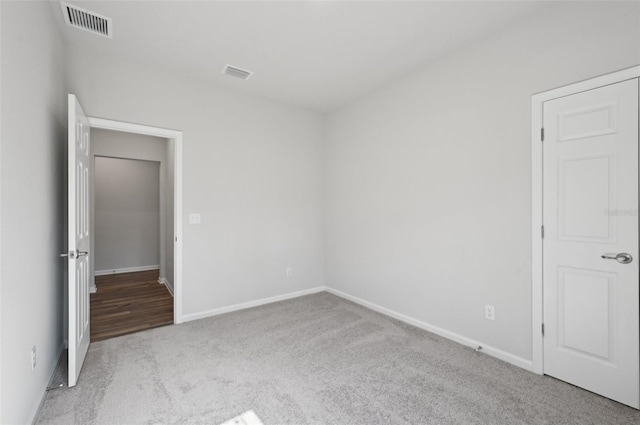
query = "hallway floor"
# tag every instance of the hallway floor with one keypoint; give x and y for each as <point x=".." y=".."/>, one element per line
<point x="129" y="302"/>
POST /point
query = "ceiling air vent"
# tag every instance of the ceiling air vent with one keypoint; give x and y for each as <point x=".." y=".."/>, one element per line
<point x="237" y="72"/>
<point x="83" y="19"/>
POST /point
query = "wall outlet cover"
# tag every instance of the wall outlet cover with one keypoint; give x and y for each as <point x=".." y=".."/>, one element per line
<point x="490" y="312"/>
<point x="33" y="358"/>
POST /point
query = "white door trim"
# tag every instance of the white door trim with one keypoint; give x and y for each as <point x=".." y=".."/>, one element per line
<point x="177" y="216"/>
<point x="537" y="355"/>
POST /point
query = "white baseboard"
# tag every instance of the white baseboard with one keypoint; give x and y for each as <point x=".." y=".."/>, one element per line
<point x="165" y="282"/>
<point x="242" y="306"/>
<point x="487" y="349"/>
<point x="460" y="339"/>
<point x="53" y="368"/>
<point x="126" y="270"/>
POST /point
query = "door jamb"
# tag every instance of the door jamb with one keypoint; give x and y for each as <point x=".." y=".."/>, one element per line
<point x="537" y="101"/>
<point x="177" y="205"/>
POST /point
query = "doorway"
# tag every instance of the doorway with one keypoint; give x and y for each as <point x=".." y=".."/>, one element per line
<point x="172" y="217"/>
<point x="586" y="306"/>
<point x="130" y="202"/>
<point x="79" y="194"/>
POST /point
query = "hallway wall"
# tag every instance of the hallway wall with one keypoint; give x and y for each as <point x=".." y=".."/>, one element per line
<point x="127" y="214"/>
<point x="117" y="144"/>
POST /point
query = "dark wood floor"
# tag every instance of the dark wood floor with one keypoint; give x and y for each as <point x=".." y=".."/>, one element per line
<point x="127" y="303"/>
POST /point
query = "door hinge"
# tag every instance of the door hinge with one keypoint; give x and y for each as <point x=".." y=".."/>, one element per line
<point x="543" y="329"/>
<point x="542" y="134"/>
<point x="542" y="232"/>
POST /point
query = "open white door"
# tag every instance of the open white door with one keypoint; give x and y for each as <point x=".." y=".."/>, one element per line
<point x="79" y="238"/>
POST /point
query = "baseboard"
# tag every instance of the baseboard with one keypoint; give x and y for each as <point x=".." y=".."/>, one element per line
<point x="242" y="306"/>
<point x="126" y="270"/>
<point x="34" y="413"/>
<point x="165" y="282"/>
<point x="487" y="349"/>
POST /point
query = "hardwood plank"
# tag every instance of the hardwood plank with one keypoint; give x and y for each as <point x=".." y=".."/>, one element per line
<point x="129" y="302"/>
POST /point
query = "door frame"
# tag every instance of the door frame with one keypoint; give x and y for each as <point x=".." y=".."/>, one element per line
<point x="537" y="100"/>
<point x="176" y="136"/>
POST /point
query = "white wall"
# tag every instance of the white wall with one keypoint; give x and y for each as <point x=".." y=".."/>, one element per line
<point x="169" y="216"/>
<point x="32" y="204"/>
<point x="128" y="145"/>
<point x="127" y="214"/>
<point x="252" y="169"/>
<point x="428" y="179"/>
<point x="116" y="144"/>
<point x="1" y="117"/>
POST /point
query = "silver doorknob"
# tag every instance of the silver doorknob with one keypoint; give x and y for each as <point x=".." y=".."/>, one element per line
<point x="622" y="258"/>
<point x="74" y="254"/>
<point x="70" y="254"/>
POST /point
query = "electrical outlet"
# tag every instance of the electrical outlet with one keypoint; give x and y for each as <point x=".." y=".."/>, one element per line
<point x="490" y="312"/>
<point x="33" y="358"/>
<point x="288" y="272"/>
<point x="194" y="218"/>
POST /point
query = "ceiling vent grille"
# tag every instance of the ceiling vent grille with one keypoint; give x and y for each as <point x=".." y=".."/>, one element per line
<point x="237" y="72"/>
<point x="85" y="20"/>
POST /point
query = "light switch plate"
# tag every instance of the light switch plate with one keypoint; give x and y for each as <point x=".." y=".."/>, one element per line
<point x="194" y="218"/>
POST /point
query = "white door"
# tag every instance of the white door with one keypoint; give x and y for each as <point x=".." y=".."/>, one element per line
<point x="79" y="238"/>
<point x="590" y="245"/>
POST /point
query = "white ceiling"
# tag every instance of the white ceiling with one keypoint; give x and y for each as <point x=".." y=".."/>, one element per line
<point x="313" y="54"/>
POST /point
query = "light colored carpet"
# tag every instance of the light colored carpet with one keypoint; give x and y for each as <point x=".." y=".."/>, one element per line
<point x="317" y="359"/>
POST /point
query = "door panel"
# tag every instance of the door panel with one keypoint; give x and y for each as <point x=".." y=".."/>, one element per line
<point x="588" y="122"/>
<point x="584" y="186"/>
<point x="590" y="208"/>
<point x="79" y="238"/>
<point x="585" y="312"/>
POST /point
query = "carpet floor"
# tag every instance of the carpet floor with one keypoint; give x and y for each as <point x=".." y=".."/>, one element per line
<point x="316" y="359"/>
